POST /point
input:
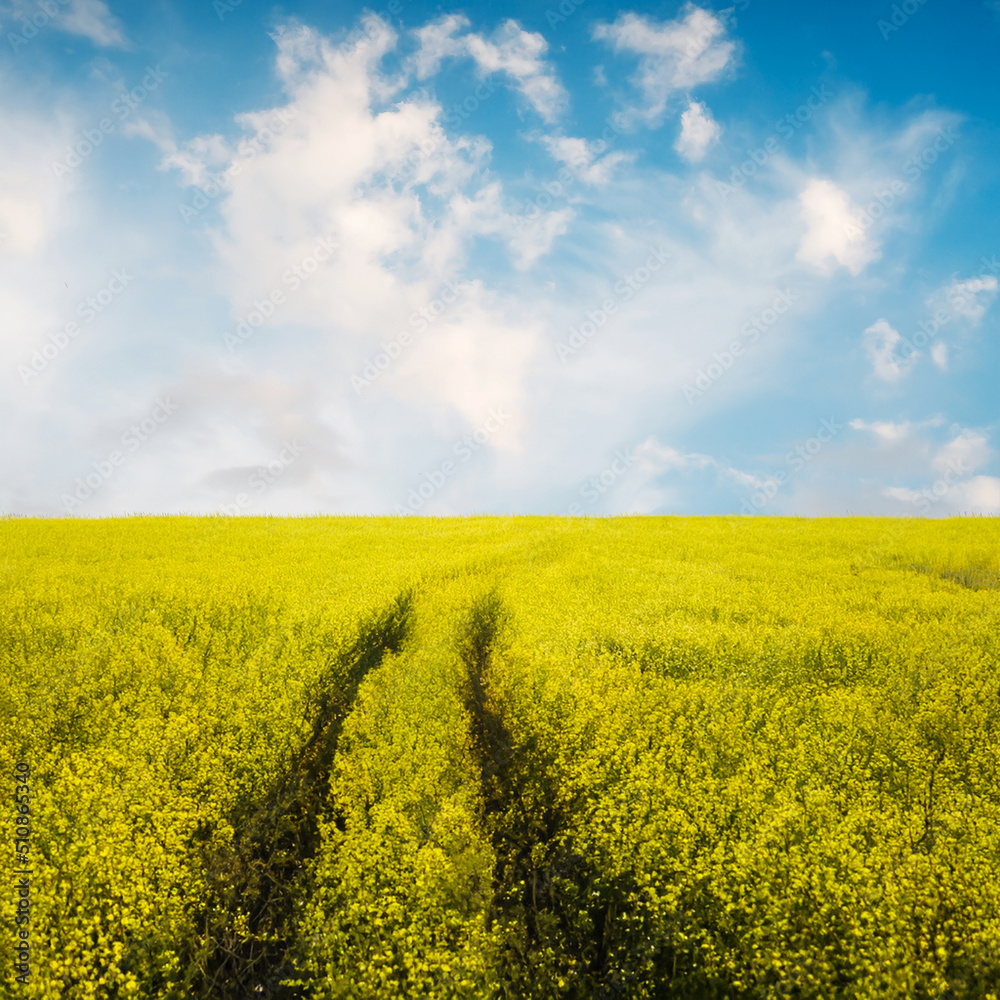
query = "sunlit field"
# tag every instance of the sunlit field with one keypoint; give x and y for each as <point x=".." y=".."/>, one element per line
<point x="502" y="757"/>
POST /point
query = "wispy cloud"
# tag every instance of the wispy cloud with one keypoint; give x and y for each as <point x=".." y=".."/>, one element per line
<point x="92" y="19"/>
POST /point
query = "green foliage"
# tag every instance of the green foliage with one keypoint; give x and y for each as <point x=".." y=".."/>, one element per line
<point x="542" y="758"/>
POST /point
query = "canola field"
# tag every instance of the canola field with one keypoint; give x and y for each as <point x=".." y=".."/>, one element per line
<point x="593" y="759"/>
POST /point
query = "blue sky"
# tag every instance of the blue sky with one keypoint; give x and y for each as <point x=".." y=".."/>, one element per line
<point x="587" y="259"/>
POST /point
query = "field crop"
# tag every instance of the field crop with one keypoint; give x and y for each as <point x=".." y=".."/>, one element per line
<point x="593" y="759"/>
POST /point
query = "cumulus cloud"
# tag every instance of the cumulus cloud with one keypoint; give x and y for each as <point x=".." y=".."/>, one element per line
<point x="372" y="196"/>
<point x="698" y="131"/>
<point x="426" y="241"/>
<point x="673" y="55"/>
<point x="511" y="51"/>
<point x="832" y="238"/>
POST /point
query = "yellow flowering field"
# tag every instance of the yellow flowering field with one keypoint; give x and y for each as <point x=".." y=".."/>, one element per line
<point x="500" y="757"/>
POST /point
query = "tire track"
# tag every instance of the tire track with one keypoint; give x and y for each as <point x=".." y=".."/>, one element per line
<point x="245" y="927"/>
<point x="536" y="896"/>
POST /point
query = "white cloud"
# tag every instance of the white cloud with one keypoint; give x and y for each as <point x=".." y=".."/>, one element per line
<point x="967" y="452"/>
<point x="584" y="159"/>
<point x="438" y="42"/>
<point x="412" y="205"/>
<point x="93" y="20"/>
<point x="519" y="53"/>
<point x="970" y="298"/>
<point x="395" y="253"/>
<point x="698" y="131"/>
<point x="885" y="430"/>
<point x="302" y="50"/>
<point x="673" y="55"/>
<point x="977" y="495"/>
<point x="29" y="190"/>
<point x="511" y="50"/>
<point x="535" y="238"/>
<point x="832" y="237"/>
<point x="944" y="471"/>
<point x="923" y="468"/>
<point x="656" y="457"/>
<point x="882" y="343"/>
<point x="199" y="160"/>
<point x="35" y="209"/>
<point x="960" y="307"/>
